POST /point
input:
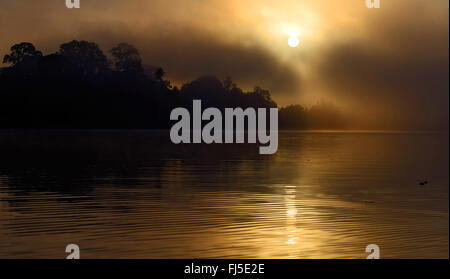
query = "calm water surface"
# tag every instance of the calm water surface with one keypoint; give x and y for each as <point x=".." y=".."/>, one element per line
<point x="133" y="194"/>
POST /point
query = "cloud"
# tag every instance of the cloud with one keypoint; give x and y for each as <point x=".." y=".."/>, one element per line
<point x="385" y="65"/>
<point x="179" y="40"/>
<point x="398" y="72"/>
<point x="199" y="53"/>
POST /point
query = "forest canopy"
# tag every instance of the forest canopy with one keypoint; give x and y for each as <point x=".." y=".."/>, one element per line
<point x="80" y="86"/>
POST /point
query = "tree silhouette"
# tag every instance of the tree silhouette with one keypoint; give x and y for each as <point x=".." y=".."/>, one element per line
<point x="85" y="57"/>
<point x="159" y="74"/>
<point x="20" y="52"/>
<point x="228" y="84"/>
<point x="76" y="87"/>
<point x="127" y="59"/>
<point x="265" y="94"/>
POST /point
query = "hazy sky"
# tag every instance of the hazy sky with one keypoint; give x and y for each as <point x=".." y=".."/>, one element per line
<point x="386" y="65"/>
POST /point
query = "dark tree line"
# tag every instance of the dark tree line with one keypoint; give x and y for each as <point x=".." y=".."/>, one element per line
<point x="79" y="87"/>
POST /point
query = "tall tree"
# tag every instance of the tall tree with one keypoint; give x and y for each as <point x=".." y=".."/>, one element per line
<point x="86" y="57"/>
<point x="21" y="52"/>
<point x="127" y="59"/>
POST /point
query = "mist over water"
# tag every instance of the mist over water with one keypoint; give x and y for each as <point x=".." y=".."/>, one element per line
<point x="134" y="194"/>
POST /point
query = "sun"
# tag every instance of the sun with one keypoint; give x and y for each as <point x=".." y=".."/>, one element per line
<point x="293" y="41"/>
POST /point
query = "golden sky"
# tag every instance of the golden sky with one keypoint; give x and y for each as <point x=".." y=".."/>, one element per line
<point x="389" y="63"/>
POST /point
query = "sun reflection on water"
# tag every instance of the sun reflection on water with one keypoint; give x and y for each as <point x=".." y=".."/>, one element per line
<point x="291" y="215"/>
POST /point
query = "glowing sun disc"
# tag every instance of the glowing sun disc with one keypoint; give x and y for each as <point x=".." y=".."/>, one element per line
<point x="293" y="41"/>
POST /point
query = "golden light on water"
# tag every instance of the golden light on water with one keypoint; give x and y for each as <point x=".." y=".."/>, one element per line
<point x="291" y="215"/>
